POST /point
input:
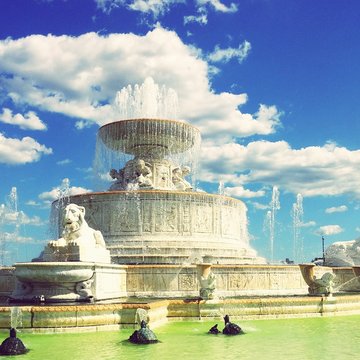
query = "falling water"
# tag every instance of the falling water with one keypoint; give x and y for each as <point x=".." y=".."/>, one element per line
<point x="297" y="214"/>
<point x="13" y="200"/>
<point x="11" y="220"/>
<point x="140" y="315"/>
<point x="16" y="317"/>
<point x="221" y="188"/>
<point x="63" y="199"/>
<point x="270" y="219"/>
<point x="142" y="133"/>
<point x="147" y="100"/>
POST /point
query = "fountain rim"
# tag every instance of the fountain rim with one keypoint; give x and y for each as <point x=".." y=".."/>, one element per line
<point x="120" y="135"/>
<point x="164" y="192"/>
<point x="144" y="119"/>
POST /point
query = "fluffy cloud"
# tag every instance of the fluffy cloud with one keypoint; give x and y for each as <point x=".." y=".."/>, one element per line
<point x="159" y="7"/>
<point x="336" y="209"/>
<point x="308" y="224"/>
<point x="63" y="190"/>
<point x="310" y="171"/>
<point x="330" y="230"/>
<point x="240" y="192"/>
<point x="16" y="238"/>
<point x="225" y="55"/>
<point x="79" y="77"/>
<point x="218" y="5"/>
<point x="16" y="151"/>
<point x="153" y="7"/>
<point x="29" y="121"/>
<point x="200" y="19"/>
<point x="64" y="162"/>
<point x="34" y="221"/>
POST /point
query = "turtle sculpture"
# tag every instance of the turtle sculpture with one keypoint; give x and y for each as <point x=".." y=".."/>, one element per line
<point x="214" y="330"/>
<point x="231" y="328"/>
<point x="143" y="336"/>
<point x="12" y="345"/>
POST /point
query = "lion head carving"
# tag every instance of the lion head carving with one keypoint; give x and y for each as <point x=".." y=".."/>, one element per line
<point x="73" y="220"/>
<point x="76" y="229"/>
<point x="78" y="242"/>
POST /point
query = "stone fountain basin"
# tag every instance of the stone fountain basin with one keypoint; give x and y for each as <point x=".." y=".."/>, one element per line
<point x="131" y="135"/>
<point x="54" y="272"/>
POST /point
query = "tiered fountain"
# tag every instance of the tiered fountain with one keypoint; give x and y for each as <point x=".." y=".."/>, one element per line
<point x="153" y="235"/>
<point x="152" y="214"/>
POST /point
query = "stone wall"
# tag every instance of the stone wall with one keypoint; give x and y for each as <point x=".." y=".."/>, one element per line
<point x="7" y="281"/>
<point x="231" y="280"/>
<point x="157" y="227"/>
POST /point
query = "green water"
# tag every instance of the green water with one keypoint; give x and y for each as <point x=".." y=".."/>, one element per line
<point x="303" y="339"/>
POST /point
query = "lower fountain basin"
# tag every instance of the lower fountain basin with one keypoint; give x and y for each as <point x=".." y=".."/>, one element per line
<point x="68" y="282"/>
<point x="53" y="272"/>
<point x="169" y="227"/>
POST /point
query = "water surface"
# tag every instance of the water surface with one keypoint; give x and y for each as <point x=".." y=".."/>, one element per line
<point x="290" y="339"/>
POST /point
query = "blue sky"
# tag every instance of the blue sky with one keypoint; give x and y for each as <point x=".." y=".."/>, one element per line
<point x="272" y="85"/>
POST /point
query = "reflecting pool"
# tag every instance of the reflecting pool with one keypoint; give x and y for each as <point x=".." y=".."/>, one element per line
<point x="310" y="338"/>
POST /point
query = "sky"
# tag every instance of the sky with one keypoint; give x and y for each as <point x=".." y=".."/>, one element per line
<point x="273" y="86"/>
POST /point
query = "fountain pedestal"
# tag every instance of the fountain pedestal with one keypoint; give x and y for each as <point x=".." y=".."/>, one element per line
<point x="317" y="287"/>
<point x="58" y="282"/>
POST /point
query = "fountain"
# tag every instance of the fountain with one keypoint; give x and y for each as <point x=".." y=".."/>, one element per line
<point x="270" y="219"/>
<point x="151" y="245"/>
<point x="297" y="216"/>
<point x="76" y="267"/>
<point x="152" y="213"/>
<point x="317" y="286"/>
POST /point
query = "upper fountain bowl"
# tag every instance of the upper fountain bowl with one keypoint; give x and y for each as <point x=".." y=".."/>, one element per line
<point x="132" y="136"/>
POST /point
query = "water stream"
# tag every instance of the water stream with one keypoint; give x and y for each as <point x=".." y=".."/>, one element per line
<point x="297" y="215"/>
<point x="270" y="219"/>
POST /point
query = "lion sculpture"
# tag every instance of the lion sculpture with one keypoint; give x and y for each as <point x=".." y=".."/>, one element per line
<point x="79" y="242"/>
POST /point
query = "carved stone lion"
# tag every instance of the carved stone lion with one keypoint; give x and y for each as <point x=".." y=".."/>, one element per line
<point x="76" y="229"/>
<point x="79" y="242"/>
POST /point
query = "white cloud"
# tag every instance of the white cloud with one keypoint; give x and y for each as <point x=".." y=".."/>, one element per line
<point x="16" y="151"/>
<point x="32" y="203"/>
<point x="154" y="7"/>
<point x="330" y="230"/>
<point x="240" y="192"/>
<point x="336" y="209"/>
<point x="29" y="121"/>
<point x="258" y="205"/>
<point x="308" y="224"/>
<point x="64" y="162"/>
<point x="47" y="197"/>
<point x="218" y="5"/>
<point x="159" y="7"/>
<point x="108" y="5"/>
<point x="34" y="221"/>
<point x="310" y="171"/>
<point x="200" y="19"/>
<point x="79" y="77"/>
<point x="225" y="55"/>
<point x="16" y="238"/>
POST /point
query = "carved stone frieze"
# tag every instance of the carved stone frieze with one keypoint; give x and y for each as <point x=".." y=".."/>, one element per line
<point x="187" y="282"/>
